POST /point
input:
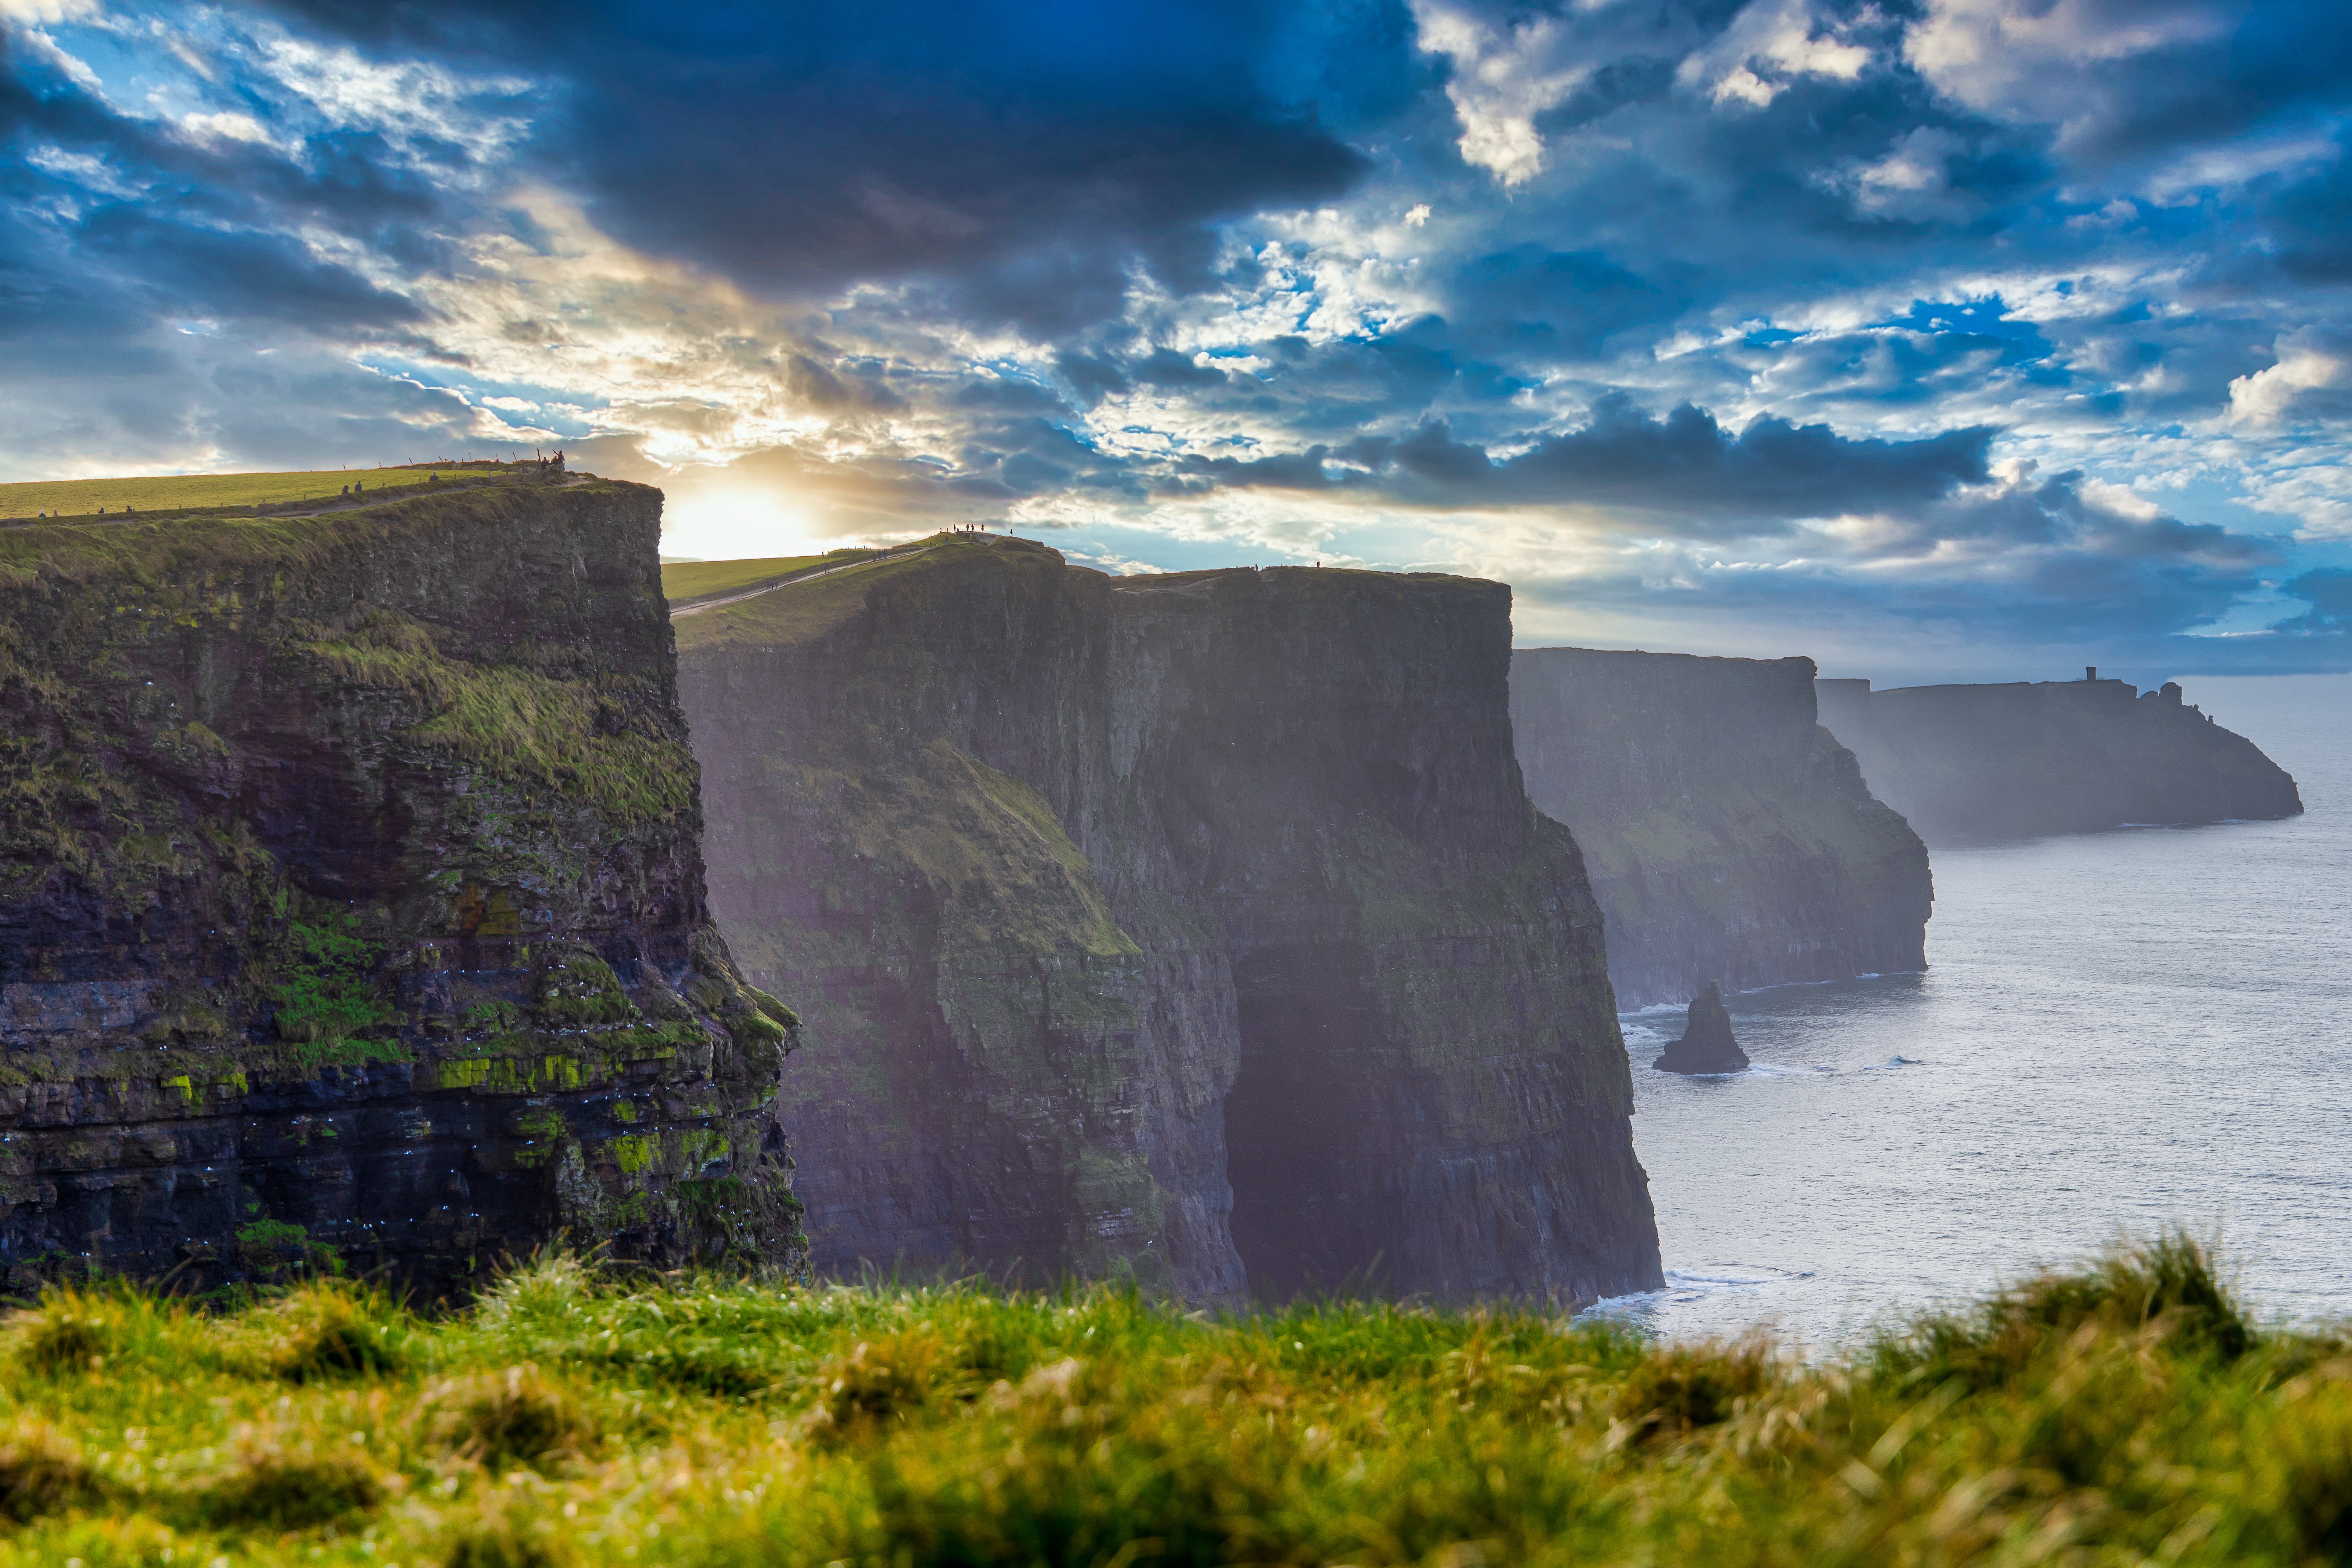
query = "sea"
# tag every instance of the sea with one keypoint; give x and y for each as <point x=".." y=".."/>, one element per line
<point x="2117" y="1033"/>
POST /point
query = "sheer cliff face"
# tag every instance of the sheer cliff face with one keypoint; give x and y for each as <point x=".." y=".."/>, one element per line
<point x="1729" y="836"/>
<point x="1195" y="926"/>
<point x="1973" y="762"/>
<point x="350" y="902"/>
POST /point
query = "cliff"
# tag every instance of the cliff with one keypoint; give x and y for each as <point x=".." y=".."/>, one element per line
<point x="1727" y="834"/>
<point x="1194" y="927"/>
<point x="352" y="910"/>
<point x="2019" y="759"/>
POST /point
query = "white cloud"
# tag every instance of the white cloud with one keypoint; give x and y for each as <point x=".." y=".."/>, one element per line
<point x="1767" y="47"/>
<point x="1501" y="82"/>
<point x="2310" y="366"/>
<point x="408" y="102"/>
<point x="1912" y="184"/>
<point x="223" y="127"/>
<point x="43" y="47"/>
<point x="2030" y="59"/>
<point x="2317" y="494"/>
<point x="2228" y="165"/>
<point x="44" y="12"/>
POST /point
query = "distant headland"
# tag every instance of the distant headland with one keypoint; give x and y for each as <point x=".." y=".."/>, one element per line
<point x="2024" y="759"/>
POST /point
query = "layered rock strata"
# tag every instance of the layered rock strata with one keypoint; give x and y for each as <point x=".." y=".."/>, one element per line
<point x="1192" y="927"/>
<point x="1967" y="763"/>
<point x="1708" y="1046"/>
<point x="352" y="907"/>
<point x="1728" y="835"/>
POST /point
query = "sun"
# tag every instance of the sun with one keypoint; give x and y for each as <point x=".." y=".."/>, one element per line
<point x="729" y="522"/>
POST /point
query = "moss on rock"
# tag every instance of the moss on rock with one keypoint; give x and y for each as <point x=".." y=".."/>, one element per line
<point x="386" y="815"/>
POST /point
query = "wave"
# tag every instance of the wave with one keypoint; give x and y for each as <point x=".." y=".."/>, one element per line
<point x="1684" y="1286"/>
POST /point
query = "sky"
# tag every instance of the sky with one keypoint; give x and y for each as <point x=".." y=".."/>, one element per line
<point x="1933" y="338"/>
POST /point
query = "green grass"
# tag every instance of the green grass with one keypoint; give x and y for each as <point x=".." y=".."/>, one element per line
<point x="809" y="608"/>
<point x="2128" y="1414"/>
<point x="78" y="498"/>
<point x="691" y="581"/>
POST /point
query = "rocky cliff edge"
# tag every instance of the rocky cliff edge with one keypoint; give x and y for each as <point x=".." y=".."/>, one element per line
<point x="1729" y="835"/>
<point x="351" y="912"/>
<point x="1191" y="927"/>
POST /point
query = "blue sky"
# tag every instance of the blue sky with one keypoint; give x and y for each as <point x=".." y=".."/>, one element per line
<point x="1931" y="338"/>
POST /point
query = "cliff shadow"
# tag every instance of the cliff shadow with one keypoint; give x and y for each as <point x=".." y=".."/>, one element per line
<point x="1318" y="1125"/>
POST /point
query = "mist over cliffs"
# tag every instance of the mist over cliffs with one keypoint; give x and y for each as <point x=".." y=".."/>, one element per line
<point x="2017" y="760"/>
<point x="1727" y="835"/>
<point x="351" y="906"/>
<point x="1193" y="926"/>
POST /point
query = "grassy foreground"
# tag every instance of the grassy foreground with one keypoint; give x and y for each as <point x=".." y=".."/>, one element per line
<point x="2129" y="1414"/>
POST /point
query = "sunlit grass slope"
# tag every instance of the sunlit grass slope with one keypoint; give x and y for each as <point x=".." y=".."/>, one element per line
<point x="690" y="581"/>
<point x="76" y="497"/>
<point x="2128" y="1414"/>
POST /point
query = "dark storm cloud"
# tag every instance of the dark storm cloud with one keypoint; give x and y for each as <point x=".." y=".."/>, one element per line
<point x="1685" y="469"/>
<point x="1025" y="155"/>
<point x="2210" y="70"/>
<point x="246" y="275"/>
<point x="2058" y="566"/>
<point x="2328" y="592"/>
<point x="1009" y="257"/>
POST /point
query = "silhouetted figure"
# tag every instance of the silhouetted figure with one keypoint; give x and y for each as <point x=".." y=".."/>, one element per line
<point x="1706" y="1045"/>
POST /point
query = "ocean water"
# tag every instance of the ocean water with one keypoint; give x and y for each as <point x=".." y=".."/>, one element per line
<point x="2116" y="1032"/>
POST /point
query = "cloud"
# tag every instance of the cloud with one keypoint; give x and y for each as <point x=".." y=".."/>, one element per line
<point x="1770" y="45"/>
<point x="2310" y="383"/>
<point x="1023" y="159"/>
<point x="2122" y="79"/>
<point x="1686" y="473"/>
<point x="1727" y="319"/>
<point x="2328" y="592"/>
<point x="1505" y="74"/>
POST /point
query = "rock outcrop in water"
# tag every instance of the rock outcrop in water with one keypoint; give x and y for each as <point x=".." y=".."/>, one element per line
<point x="1727" y="835"/>
<point x="1973" y="762"/>
<point x="350" y="902"/>
<point x="1195" y="927"/>
<point x="1706" y="1045"/>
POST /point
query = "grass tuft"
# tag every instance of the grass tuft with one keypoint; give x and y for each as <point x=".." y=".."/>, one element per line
<point x="1681" y="1389"/>
<point x="504" y="1420"/>
<point x="41" y="1470"/>
<point x="890" y="1377"/>
<point x="2167" y="1289"/>
<point x="64" y="1335"/>
<point x="503" y="1537"/>
<point x="2128" y="1412"/>
<point x="277" y="1484"/>
<point x="337" y="1330"/>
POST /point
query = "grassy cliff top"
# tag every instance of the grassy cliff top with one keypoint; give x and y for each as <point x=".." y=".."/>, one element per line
<point x="168" y="492"/>
<point x="2126" y="1414"/>
<point x="811" y="596"/>
<point x="86" y="547"/>
<point x="1295" y="577"/>
<point x="789" y="599"/>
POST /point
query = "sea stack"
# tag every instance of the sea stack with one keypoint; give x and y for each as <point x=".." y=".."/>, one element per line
<point x="1706" y="1045"/>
